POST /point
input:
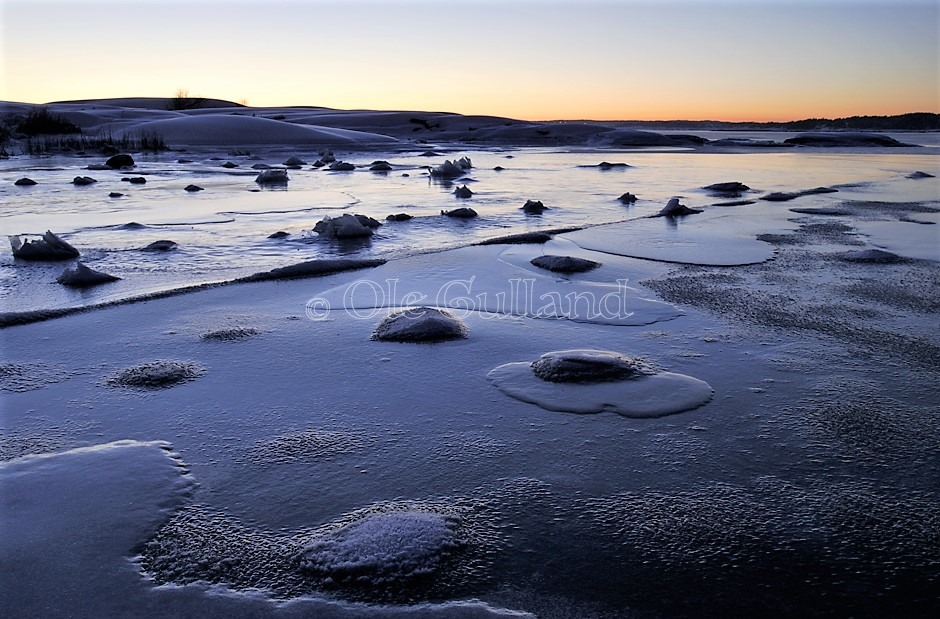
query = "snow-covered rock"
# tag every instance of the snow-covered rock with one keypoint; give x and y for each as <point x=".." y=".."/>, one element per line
<point x="588" y="366"/>
<point x="674" y="209"/>
<point x="272" y="176"/>
<point x="81" y="276"/>
<point x="49" y="248"/>
<point x="421" y="324"/>
<point x="564" y="264"/>
<point x="345" y="226"/>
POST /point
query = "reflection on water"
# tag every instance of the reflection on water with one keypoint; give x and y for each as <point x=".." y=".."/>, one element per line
<point x="223" y="231"/>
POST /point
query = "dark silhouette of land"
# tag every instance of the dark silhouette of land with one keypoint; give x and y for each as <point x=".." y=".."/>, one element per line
<point x="916" y="121"/>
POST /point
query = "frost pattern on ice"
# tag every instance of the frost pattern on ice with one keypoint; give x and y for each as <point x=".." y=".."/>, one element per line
<point x="384" y="548"/>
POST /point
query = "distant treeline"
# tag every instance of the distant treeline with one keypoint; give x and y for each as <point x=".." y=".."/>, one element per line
<point x="917" y="121"/>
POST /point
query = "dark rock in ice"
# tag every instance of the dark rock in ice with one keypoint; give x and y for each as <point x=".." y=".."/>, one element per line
<point x="460" y="213"/>
<point x="272" y="176"/>
<point x="429" y="153"/>
<point x="875" y="256"/>
<point x="341" y="166"/>
<point x="295" y="161"/>
<point x="345" y="226"/>
<point x="25" y="182"/>
<point x="98" y="167"/>
<point x="260" y="166"/>
<point x="780" y="196"/>
<point x="735" y="203"/>
<point x="463" y="192"/>
<point x="319" y="163"/>
<point x="606" y="165"/>
<point x="192" y="188"/>
<point x="564" y="264"/>
<point x="674" y="209"/>
<point x="81" y="276"/>
<point x="380" y="166"/>
<point x="384" y="550"/>
<point x="115" y="194"/>
<point x="280" y="234"/>
<point x="157" y="374"/>
<point x="818" y="190"/>
<point x="627" y="198"/>
<point x="120" y="161"/>
<point x="313" y="268"/>
<point x="233" y="334"/>
<point x="822" y="210"/>
<point x="137" y="180"/>
<point x="327" y="156"/>
<point x="524" y="238"/>
<point x="534" y="207"/>
<point x="421" y="324"/>
<point x="50" y="248"/>
<point x="83" y="180"/>
<point x="132" y="225"/>
<point x="498" y="168"/>
<point x="184" y="161"/>
<point x="229" y="165"/>
<point x="399" y="217"/>
<point x="730" y="187"/>
<point x="162" y="245"/>
<point x="588" y="366"/>
<point x="919" y="174"/>
<point x="844" y="139"/>
<point x="367" y="221"/>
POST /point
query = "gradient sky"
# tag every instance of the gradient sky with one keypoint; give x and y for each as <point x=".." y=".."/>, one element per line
<point x="619" y="59"/>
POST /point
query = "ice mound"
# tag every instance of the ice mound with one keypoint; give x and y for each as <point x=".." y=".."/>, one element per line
<point x="920" y="174"/>
<point x="272" y="176"/>
<point x="421" y="324"/>
<point x="383" y="549"/>
<point x="49" y="248"/>
<point x="158" y="374"/>
<point x="451" y="169"/>
<point x="25" y="182"/>
<point x="81" y="276"/>
<point x="876" y="256"/>
<point x="674" y="209"/>
<point x="232" y="334"/>
<point x="461" y="213"/>
<point x="588" y="366"/>
<point x="593" y="381"/>
<point x="345" y="226"/>
<point x="564" y="264"/>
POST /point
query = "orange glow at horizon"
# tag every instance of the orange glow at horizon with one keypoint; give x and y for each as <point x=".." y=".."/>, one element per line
<point x="778" y="62"/>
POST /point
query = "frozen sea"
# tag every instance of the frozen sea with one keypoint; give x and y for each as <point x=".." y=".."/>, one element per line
<point x="299" y="468"/>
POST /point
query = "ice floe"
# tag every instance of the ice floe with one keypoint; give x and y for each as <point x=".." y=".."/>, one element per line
<point x="593" y="381"/>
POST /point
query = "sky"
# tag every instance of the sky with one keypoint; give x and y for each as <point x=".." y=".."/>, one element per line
<point x="758" y="60"/>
